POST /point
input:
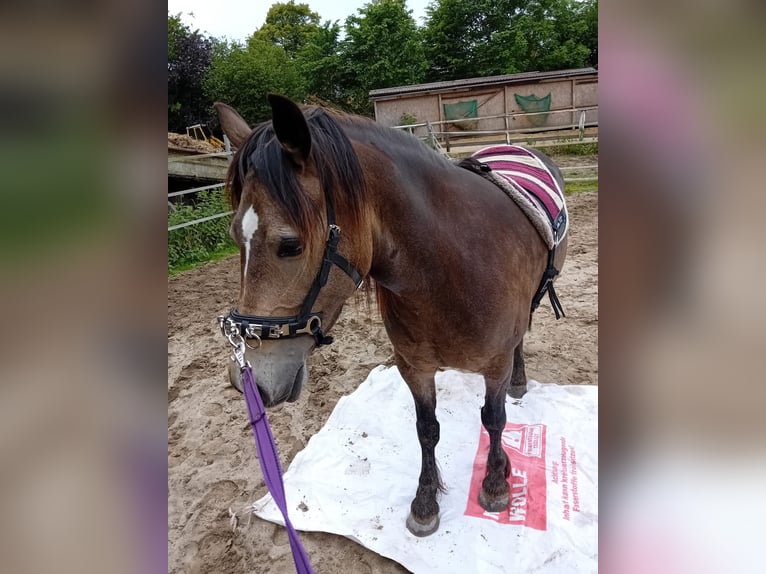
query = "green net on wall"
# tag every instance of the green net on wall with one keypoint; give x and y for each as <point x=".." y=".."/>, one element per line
<point x="461" y="111"/>
<point x="534" y="104"/>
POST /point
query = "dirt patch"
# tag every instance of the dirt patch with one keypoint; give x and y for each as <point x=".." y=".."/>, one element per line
<point x="567" y="161"/>
<point x="212" y="465"/>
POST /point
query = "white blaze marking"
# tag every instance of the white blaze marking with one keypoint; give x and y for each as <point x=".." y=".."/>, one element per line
<point x="249" y="227"/>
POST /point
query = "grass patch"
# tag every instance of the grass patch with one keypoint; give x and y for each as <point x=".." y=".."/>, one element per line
<point x="581" y="186"/>
<point x="191" y="246"/>
<point x="212" y="256"/>
<point x="571" y="149"/>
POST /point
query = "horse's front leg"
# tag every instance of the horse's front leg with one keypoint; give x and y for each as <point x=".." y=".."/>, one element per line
<point x="424" y="510"/>
<point x="518" y="386"/>
<point x="495" y="492"/>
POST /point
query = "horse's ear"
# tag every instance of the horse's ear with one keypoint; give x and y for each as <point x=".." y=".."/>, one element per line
<point x="232" y="124"/>
<point x="290" y="127"/>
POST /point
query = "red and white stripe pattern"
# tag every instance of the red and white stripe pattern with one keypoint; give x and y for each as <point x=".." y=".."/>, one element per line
<point x="531" y="177"/>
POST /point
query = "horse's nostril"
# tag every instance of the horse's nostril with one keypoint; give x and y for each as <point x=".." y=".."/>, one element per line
<point x="300" y="379"/>
<point x="265" y="397"/>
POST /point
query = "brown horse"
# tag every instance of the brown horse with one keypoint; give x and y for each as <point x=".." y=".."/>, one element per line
<point x="455" y="265"/>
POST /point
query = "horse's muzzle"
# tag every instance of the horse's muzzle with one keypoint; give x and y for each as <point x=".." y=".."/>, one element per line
<point x="279" y="370"/>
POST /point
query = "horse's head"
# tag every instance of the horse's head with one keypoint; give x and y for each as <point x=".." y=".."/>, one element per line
<point x="288" y="180"/>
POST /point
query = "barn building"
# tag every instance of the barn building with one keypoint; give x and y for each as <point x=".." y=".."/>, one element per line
<point x="555" y="100"/>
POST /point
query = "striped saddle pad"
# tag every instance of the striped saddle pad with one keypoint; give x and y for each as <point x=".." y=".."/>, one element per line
<point x="531" y="183"/>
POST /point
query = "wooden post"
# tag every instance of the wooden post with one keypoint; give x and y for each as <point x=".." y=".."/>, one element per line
<point x="505" y="113"/>
<point x="573" y="101"/>
<point x="441" y="122"/>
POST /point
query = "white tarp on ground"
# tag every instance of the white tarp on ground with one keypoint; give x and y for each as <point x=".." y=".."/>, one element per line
<point x="358" y="475"/>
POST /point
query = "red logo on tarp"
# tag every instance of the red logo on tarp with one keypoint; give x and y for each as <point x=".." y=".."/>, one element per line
<point x="525" y="447"/>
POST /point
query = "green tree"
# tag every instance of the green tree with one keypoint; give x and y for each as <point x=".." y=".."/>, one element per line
<point x="451" y="36"/>
<point x="242" y="76"/>
<point x="383" y="48"/>
<point x="189" y="56"/>
<point x="320" y="66"/>
<point x="290" y="26"/>
<point x="176" y="30"/>
<point x="474" y="38"/>
<point x="554" y="32"/>
<point x="588" y="24"/>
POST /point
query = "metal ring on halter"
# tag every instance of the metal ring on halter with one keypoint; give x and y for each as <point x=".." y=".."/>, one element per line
<point x="256" y="337"/>
<point x="235" y="339"/>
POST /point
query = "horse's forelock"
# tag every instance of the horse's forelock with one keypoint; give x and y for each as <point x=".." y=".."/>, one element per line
<point x="337" y="167"/>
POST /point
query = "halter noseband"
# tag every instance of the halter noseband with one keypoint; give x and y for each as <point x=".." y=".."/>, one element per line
<point x="305" y="322"/>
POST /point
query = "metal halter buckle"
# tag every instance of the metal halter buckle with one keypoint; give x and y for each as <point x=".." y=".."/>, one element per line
<point x="238" y="345"/>
<point x="232" y="331"/>
<point x="275" y="331"/>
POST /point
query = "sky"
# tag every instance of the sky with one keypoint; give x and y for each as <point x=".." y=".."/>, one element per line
<point x="237" y="19"/>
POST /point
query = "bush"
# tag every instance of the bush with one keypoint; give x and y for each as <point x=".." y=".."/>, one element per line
<point x="203" y="241"/>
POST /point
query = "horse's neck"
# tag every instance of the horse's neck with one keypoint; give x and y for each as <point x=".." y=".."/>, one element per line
<point x="405" y="224"/>
<point x="417" y="201"/>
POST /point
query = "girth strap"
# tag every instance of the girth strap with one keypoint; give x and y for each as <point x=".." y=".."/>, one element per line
<point x="546" y="284"/>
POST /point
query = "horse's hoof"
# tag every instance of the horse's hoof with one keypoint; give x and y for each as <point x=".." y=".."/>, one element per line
<point x="494" y="504"/>
<point x="419" y="529"/>
<point x="517" y="391"/>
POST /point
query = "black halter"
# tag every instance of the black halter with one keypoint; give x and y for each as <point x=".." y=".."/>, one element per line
<point x="305" y="322"/>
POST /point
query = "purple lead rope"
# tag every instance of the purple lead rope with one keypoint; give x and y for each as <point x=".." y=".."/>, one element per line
<point x="269" y="460"/>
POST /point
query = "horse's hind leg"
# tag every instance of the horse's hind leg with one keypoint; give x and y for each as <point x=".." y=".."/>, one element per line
<point x="424" y="510"/>
<point x="495" y="493"/>
<point x="518" y="387"/>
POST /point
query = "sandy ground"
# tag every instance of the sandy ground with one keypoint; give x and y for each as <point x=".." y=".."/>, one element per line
<point x="212" y="466"/>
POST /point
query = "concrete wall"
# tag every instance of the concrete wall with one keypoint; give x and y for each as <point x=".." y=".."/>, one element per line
<point x="390" y="112"/>
<point x="586" y="94"/>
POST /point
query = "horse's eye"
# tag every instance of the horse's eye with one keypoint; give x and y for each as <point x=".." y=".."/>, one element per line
<point x="290" y="247"/>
